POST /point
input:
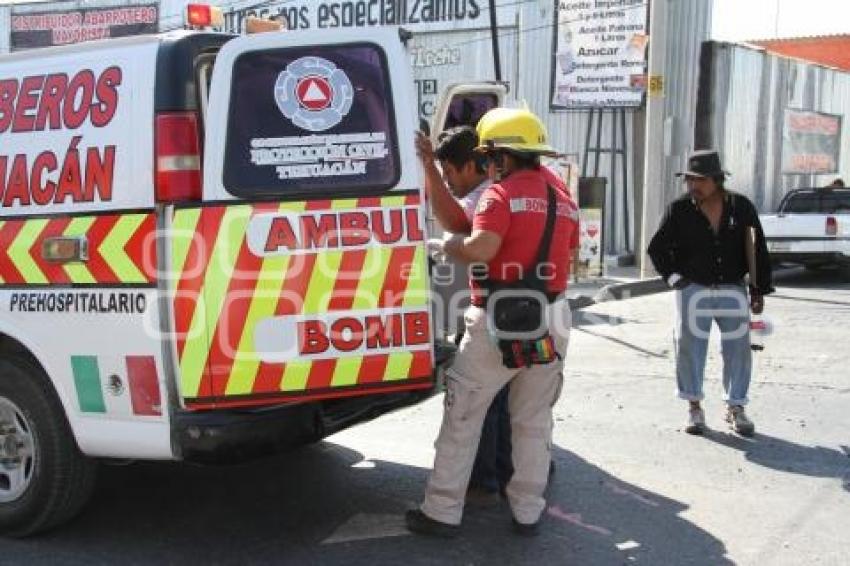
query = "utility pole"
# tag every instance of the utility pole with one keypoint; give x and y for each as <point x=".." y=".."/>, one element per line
<point x="494" y="36"/>
<point x="654" y="146"/>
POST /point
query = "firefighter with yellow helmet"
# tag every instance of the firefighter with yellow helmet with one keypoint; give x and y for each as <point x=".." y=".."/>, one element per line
<point x="524" y="230"/>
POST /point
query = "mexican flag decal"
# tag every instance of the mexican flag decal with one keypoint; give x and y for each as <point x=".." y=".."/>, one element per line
<point x="141" y="380"/>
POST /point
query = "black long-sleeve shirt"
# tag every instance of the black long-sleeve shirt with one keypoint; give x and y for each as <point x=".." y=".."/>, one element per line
<point x="686" y="244"/>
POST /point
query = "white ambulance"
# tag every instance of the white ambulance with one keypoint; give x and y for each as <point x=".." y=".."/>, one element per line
<point x="210" y="247"/>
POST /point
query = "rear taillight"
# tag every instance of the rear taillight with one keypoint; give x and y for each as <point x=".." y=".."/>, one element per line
<point x="178" y="157"/>
<point x="831" y="226"/>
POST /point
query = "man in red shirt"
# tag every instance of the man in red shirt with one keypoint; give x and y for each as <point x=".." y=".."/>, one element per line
<point x="507" y="230"/>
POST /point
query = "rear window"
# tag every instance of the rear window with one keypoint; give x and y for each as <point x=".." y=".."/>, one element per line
<point x="311" y="121"/>
<point x="467" y="109"/>
<point x="818" y="202"/>
<point x="801" y="203"/>
<point x="835" y="202"/>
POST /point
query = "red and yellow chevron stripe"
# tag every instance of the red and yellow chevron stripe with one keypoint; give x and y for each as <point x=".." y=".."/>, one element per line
<point x="225" y="290"/>
<point x="121" y="247"/>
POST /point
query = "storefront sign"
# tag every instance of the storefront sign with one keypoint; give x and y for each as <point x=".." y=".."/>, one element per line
<point x="600" y="53"/>
<point x="61" y="27"/>
<point x="426" y="97"/>
<point x="811" y="142"/>
<point x="413" y="15"/>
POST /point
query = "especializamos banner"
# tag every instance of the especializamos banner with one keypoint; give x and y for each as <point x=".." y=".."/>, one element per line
<point x="412" y="15"/>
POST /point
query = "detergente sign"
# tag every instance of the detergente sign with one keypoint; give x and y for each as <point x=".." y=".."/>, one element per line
<point x="600" y="54"/>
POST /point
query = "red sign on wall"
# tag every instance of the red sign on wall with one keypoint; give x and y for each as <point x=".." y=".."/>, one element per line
<point x="46" y="29"/>
<point x="811" y="142"/>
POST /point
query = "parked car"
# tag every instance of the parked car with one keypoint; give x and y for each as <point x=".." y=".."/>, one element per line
<point x="811" y="228"/>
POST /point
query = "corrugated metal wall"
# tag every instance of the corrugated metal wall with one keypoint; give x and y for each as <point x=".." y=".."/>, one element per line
<point x="688" y="26"/>
<point x="745" y="100"/>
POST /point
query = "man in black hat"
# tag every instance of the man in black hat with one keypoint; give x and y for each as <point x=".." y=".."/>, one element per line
<point x="709" y="240"/>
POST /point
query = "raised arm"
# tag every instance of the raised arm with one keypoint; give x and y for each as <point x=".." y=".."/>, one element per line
<point x="446" y="208"/>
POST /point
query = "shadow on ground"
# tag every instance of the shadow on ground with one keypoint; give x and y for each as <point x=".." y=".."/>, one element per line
<point x="796" y="277"/>
<point x="782" y="455"/>
<point x="280" y="510"/>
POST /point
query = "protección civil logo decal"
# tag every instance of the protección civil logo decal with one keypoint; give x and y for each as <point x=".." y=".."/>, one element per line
<point x="313" y="93"/>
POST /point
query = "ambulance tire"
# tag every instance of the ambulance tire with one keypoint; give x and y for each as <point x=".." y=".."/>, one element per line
<point x="62" y="478"/>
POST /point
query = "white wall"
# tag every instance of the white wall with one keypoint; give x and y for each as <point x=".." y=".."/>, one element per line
<point x="5" y="13"/>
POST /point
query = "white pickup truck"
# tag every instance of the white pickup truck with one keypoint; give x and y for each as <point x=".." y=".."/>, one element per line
<point x="812" y="228"/>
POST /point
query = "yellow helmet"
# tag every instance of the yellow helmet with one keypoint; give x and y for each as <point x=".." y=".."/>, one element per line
<point x="513" y="129"/>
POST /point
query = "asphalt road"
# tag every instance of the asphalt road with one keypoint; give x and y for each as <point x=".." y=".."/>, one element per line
<point x="630" y="487"/>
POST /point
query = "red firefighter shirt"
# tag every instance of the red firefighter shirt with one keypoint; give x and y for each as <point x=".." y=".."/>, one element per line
<point x="515" y="209"/>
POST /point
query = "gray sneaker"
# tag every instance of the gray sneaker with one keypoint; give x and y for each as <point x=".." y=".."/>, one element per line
<point x="696" y="422"/>
<point x="738" y="421"/>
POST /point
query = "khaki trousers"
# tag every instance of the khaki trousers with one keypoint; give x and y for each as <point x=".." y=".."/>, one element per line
<point x="473" y="380"/>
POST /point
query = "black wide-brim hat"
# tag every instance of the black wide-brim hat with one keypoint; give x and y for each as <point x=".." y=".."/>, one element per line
<point x="703" y="163"/>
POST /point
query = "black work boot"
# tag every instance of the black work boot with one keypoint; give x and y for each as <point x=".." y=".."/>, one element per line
<point x="526" y="529"/>
<point x="420" y="523"/>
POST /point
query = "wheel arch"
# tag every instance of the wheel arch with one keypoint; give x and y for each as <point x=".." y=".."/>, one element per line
<point x="61" y="478"/>
<point x="14" y="345"/>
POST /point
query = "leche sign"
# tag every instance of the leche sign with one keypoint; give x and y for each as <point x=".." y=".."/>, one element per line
<point x="600" y="54"/>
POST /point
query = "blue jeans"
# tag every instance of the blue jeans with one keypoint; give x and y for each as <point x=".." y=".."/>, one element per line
<point x="697" y="306"/>
<point x="493" y="468"/>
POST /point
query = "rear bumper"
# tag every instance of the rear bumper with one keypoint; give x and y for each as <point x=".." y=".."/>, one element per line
<point x="228" y="436"/>
<point x="809" y="258"/>
<point x="237" y="435"/>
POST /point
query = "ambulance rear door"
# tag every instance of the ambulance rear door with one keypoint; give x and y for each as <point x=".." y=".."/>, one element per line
<point x="304" y="266"/>
<point x="463" y="104"/>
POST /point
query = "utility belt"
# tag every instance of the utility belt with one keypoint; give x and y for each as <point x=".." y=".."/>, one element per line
<point x="718" y="284"/>
<point x="481" y="301"/>
<point x="517" y="320"/>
